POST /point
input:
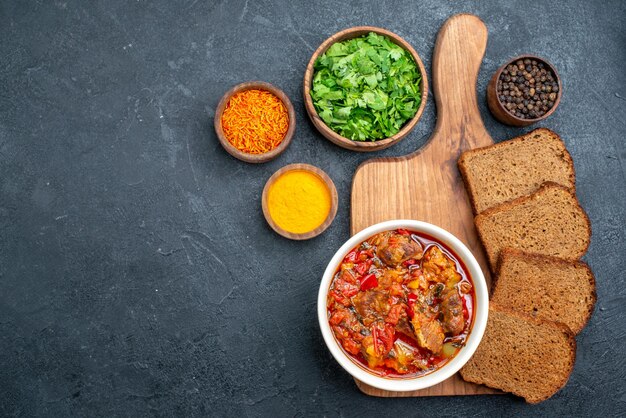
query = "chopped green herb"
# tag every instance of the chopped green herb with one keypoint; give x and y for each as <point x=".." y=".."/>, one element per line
<point x="366" y="88"/>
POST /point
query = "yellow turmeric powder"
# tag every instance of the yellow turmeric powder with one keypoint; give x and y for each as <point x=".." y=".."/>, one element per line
<point x="299" y="201"/>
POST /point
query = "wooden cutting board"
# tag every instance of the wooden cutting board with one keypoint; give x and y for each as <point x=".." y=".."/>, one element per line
<point x="426" y="185"/>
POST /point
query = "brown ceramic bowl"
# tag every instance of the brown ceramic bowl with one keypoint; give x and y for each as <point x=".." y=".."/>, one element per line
<point x="254" y="158"/>
<point x="331" y="135"/>
<point x="497" y="107"/>
<point x="333" y="201"/>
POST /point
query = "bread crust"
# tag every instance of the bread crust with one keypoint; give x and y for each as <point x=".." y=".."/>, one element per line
<point x="466" y="180"/>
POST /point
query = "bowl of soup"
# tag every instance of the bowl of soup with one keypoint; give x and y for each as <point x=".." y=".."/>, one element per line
<point x="403" y="305"/>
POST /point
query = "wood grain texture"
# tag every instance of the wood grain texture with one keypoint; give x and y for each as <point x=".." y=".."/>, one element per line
<point x="426" y="185"/>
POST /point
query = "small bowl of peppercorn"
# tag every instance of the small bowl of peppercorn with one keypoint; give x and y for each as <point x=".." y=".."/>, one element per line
<point x="523" y="91"/>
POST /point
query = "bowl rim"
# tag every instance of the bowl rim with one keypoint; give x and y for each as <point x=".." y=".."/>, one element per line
<point x="321" y="174"/>
<point x="477" y="329"/>
<point x="342" y="141"/>
<point x="254" y="158"/>
<point x="552" y="68"/>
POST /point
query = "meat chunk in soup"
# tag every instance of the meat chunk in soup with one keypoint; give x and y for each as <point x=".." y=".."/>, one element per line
<point x="428" y="332"/>
<point x="394" y="249"/>
<point x="404" y="327"/>
<point x="452" y="308"/>
<point x="371" y="306"/>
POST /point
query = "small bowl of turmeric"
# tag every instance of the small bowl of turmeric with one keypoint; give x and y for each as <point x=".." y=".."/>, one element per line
<point x="255" y="121"/>
<point x="299" y="201"/>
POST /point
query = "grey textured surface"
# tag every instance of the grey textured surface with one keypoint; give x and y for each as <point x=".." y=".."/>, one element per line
<point x="137" y="274"/>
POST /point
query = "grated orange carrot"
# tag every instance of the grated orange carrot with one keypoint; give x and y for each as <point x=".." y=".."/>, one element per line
<point x="255" y="121"/>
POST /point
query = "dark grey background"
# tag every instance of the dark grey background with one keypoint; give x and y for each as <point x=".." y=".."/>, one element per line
<point x="137" y="274"/>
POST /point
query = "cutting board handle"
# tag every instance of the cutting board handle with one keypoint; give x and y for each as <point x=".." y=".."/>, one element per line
<point x="459" y="51"/>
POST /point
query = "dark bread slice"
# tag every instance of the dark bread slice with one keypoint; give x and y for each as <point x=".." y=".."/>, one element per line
<point x="518" y="167"/>
<point x="531" y="358"/>
<point x="548" y="222"/>
<point x="545" y="287"/>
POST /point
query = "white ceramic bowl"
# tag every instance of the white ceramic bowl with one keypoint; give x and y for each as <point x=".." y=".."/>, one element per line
<point x="481" y="309"/>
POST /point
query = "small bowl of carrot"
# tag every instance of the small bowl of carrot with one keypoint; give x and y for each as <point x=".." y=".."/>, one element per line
<point x="255" y="121"/>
